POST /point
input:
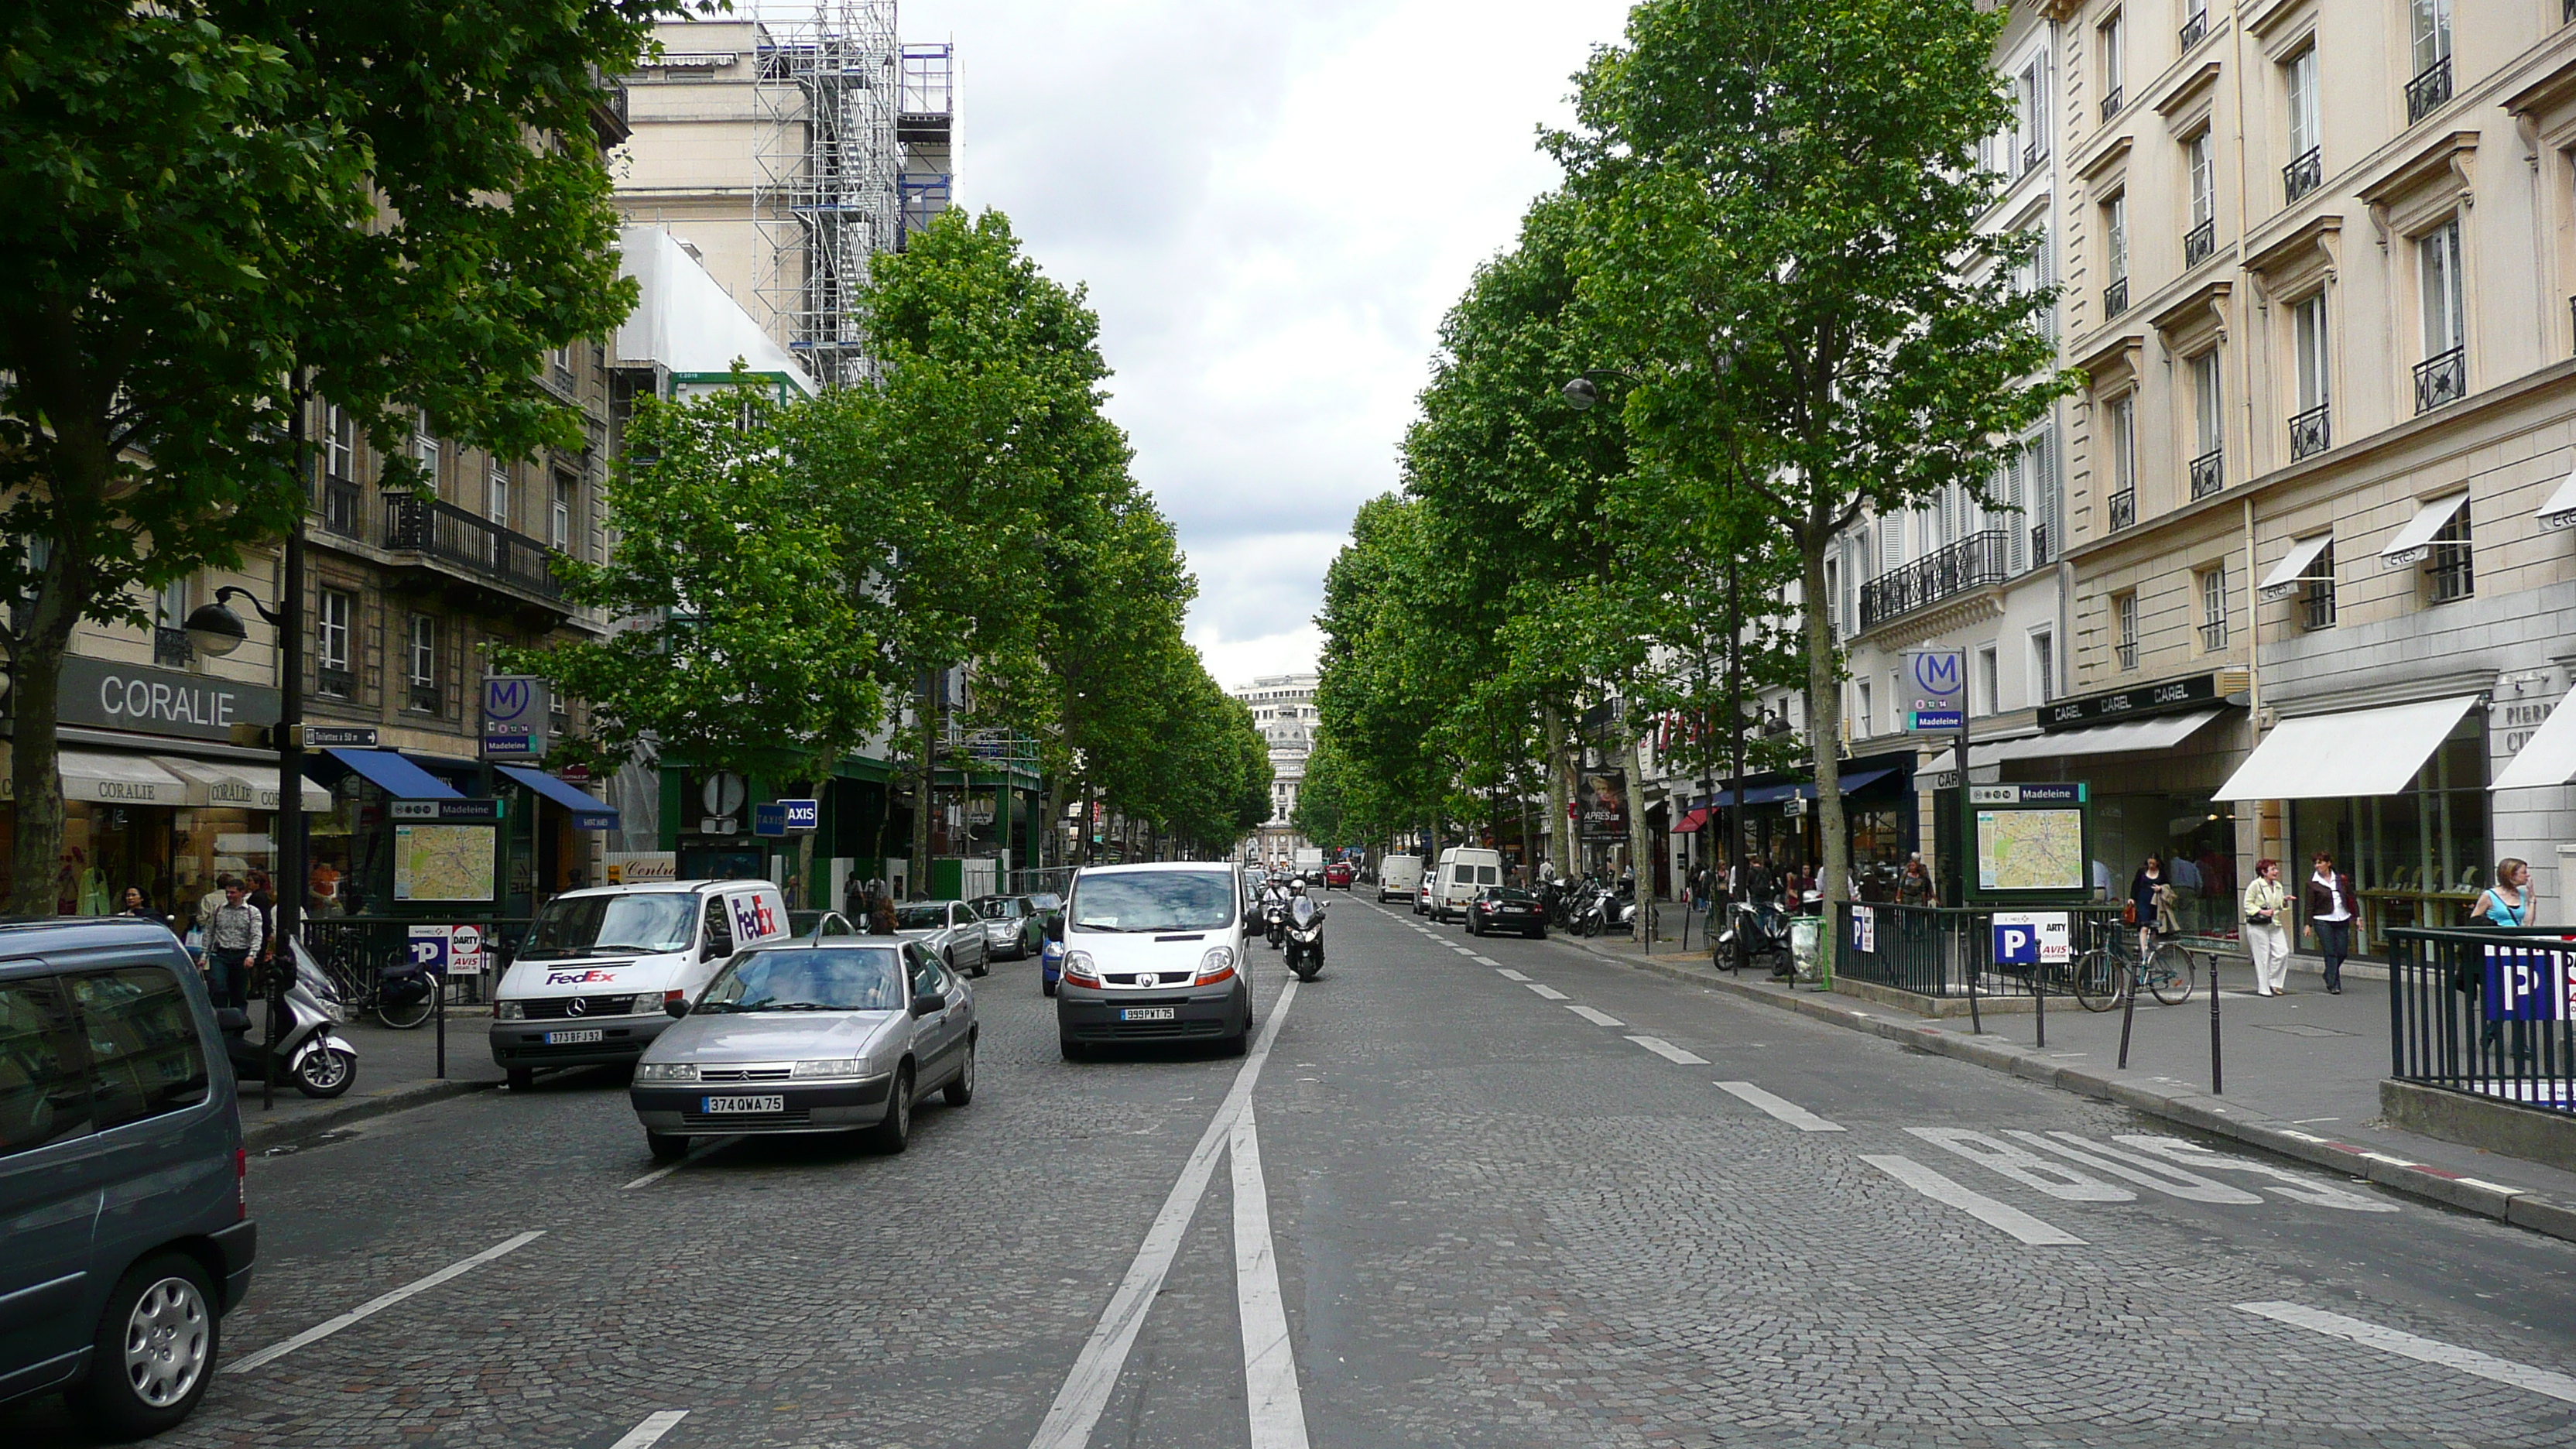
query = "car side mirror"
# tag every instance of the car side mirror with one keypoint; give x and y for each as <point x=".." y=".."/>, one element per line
<point x="676" y="1006"/>
<point x="929" y="1004"/>
<point x="1055" y="928"/>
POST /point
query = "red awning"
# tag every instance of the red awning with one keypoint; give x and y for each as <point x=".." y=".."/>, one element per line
<point x="1691" y="823"/>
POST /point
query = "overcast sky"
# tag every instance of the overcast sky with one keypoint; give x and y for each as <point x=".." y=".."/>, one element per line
<point x="1272" y="201"/>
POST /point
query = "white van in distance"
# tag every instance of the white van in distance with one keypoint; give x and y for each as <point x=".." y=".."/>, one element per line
<point x="1398" y="877"/>
<point x="593" y="980"/>
<point x="1464" y="871"/>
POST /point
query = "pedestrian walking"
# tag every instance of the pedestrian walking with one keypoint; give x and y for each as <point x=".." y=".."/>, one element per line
<point x="2508" y="901"/>
<point x="1914" y="887"/>
<point x="234" y="937"/>
<point x="2267" y="940"/>
<point x="2330" y="913"/>
<point x="2151" y="906"/>
<point x="139" y="906"/>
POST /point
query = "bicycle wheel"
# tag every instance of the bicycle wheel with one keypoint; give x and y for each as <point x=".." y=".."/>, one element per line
<point x="2096" y="980"/>
<point x="404" y="1018"/>
<point x="2169" y="976"/>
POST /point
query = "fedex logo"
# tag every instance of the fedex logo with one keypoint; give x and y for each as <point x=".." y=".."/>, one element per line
<point x="578" y="978"/>
<point x="753" y="920"/>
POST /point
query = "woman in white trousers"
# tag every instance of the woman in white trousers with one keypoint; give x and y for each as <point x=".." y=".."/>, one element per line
<point x="2267" y="936"/>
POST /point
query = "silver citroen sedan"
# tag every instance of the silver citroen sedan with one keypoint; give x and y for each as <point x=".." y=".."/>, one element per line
<point x="842" y="1034"/>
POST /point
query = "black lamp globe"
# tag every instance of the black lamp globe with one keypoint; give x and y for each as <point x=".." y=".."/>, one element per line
<point x="215" y="630"/>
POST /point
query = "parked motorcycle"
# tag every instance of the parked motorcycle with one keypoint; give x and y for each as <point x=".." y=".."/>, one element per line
<point x="1306" y="939"/>
<point x="1762" y="928"/>
<point x="308" y="1048"/>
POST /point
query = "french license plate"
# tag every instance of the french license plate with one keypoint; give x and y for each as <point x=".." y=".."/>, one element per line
<point x="718" y="1106"/>
<point x="1148" y="1013"/>
<point x="575" y="1038"/>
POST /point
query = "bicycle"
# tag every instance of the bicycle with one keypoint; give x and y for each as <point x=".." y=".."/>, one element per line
<point x="2106" y="976"/>
<point x="363" y="989"/>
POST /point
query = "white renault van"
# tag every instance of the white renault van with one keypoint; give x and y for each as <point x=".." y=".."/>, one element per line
<point x="1398" y="877"/>
<point x="599" y="967"/>
<point x="1153" y="952"/>
<point x="1464" y="871"/>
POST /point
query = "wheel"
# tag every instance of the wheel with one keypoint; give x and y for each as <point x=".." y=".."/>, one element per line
<point x="2172" y="983"/>
<point x="1046" y="987"/>
<point x="154" y="1352"/>
<point x="1074" y="1051"/>
<point x="895" y="1132"/>
<point x="326" y="1072"/>
<point x="961" y="1088"/>
<point x="1538" y="932"/>
<point x="1591" y="926"/>
<point x="523" y="1079"/>
<point x="2096" y="981"/>
<point x="665" y="1146"/>
<point x="1471" y="925"/>
<point x="404" y="1018"/>
<point x="1308" y="970"/>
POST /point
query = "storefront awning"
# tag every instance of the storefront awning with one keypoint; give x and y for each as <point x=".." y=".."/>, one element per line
<point x="589" y="812"/>
<point x="2560" y="511"/>
<point x="2157" y="732"/>
<point x="2292" y="570"/>
<point x="2549" y="756"/>
<point x="395" y="775"/>
<point x="118" y="779"/>
<point x="2413" y="541"/>
<point x="2357" y="754"/>
<point x="242" y="787"/>
<point x="1690" y="824"/>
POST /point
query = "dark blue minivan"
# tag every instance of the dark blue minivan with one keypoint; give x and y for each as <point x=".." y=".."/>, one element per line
<point x="124" y="1233"/>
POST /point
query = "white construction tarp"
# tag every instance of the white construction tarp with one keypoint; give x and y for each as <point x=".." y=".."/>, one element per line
<point x="686" y="322"/>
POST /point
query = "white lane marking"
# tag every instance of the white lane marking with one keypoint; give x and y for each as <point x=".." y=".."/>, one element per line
<point x="2423" y="1350"/>
<point x="2023" y="1166"/>
<point x="1669" y="1052"/>
<point x="2010" y="1219"/>
<point x="1550" y="992"/>
<point x="1485" y="961"/>
<point x="1597" y="1018"/>
<point x="707" y="1149"/>
<point x="1780" y="1107"/>
<point x="1510" y="975"/>
<point x="1095" y="1371"/>
<point x="1277" y="1412"/>
<point x="2134" y="1167"/>
<point x="381" y="1302"/>
<point x="2281" y="1181"/>
<point x="1464" y="950"/>
<point x="650" y="1432"/>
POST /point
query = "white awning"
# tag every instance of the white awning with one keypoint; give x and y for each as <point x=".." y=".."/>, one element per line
<point x="2412" y="541"/>
<point x="2549" y="756"/>
<point x="2292" y="570"/>
<point x="118" y="780"/>
<point x="2560" y="510"/>
<point x="2158" y="732"/>
<point x="242" y="787"/>
<point x="2357" y="754"/>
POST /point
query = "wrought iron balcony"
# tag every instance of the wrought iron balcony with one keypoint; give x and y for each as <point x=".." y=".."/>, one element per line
<point x="170" y="647"/>
<point x="2426" y="93"/>
<point x="2039" y="553"/>
<point x="475" y="548"/>
<point x="2208" y="473"/>
<point x="2115" y="298"/>
<point x="2310" y="433"/>
<point x="2032" y="153"/>
<point x="2195" y="29"/>
<point x="1972" y="562"/>
<point x="343" y="508"/>
<point x="2199" y="242"/>
<point x="2112" y="98"/>
<point x="2213" y="635"/>
<point x="2124" y="509"/>
<point x="2441" y="380"/>
<point x="2303" y="175"/>
<point x="335" y="681"/>
<point x="423" y="696"/>
<point x="2127" y="649"/>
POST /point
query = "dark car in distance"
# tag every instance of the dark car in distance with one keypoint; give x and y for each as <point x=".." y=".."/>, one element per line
<point x="1506" y="908"/>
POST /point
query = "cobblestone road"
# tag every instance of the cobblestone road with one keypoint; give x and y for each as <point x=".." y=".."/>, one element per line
<point x="1515" y="1195"/>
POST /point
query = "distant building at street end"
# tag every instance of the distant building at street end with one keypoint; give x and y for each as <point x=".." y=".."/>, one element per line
<point x="1283" y="709"/>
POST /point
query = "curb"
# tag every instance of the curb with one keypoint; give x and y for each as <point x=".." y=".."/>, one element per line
<point x="258" y="1134"/>
<point x="2199" y="1112"/>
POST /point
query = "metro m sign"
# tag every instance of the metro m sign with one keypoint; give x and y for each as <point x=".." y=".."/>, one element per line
<point x="516" y="710"/>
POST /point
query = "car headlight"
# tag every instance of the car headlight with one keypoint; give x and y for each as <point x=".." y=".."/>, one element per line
<point x="1079" y="969"/>
<point x="666" y="1071"/>
<point x="1216" y="965"/>
<point x="831" y="1067"/>
<point x="509" y="1011"/>
<point x="647" y="1003"/>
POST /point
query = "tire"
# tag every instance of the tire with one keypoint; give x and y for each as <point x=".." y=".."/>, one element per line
<point x="405" y="1018"/>
<point x="325" y="1073"/>
<point x="894" y="1133"/>
<point x="2096" y="981"/>
<point x="2176" y="989"/>
<point x="1045" y="987"/>
<point x="523" y="1079"/>
<point x="1591" y="926"/>
<point x="154" y="1351"/>
<point x="1074" y="1051"/>
<point x="1539" y="932"/>
<point x="961" y="1088"/>
<point x="665" y="1146"/>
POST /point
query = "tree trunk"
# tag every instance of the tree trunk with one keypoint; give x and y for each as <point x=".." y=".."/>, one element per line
<point x="925" y="781"/>
<point x="1824" y="721"/>
<point x="1644" y="892"/>
<point x="1560" y="832"/>
<point x="35" y="689"/>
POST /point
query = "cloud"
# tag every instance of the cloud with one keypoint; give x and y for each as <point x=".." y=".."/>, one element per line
<point x="1271" y="206"/>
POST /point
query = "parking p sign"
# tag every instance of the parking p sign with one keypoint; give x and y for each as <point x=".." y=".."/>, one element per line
<point x="2033" y="938"/>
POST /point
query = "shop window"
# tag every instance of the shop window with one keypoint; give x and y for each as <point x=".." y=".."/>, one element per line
<point x="144" y="1056"/>
<point x="2124" y="614"/>
<point x="334" y="613"/>
<point x="2416" y="858"/>
<point x="2448" y="570"/>
<point x="420" y="668"/>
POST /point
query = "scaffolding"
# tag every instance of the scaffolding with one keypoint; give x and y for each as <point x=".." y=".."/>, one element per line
<point x="923" y="128"/>
<point x="828" y="191"/>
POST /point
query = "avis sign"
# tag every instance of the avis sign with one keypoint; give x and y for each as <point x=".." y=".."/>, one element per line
<point x="452" y="950"/>
<point x="2033" y="938"/>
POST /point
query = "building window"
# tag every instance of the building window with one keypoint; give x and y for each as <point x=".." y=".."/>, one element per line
<point x="339" y="444"/>
<point x="2195" y="22"/>
<point x="333" y="614"/>
<point x="2123" y="429"/>
<point x="2448" y="564"/>
<point x="2310" y="432"/>
<point x="2124" y="615"/>
<point x="1990" y="694"/>
<point x="2431" y="86"/>
<point x="2032" y="89"/>
<point x="2043" y="666"/>
<point x="2201" y="163"/>
<point x="2317" y="592"/>
<point x="496" y="494"/>
<point x="2115" y="65"/>
<point x="420" y="668"/>
<point x="559" y="518"/>
<point x="2047" y="505"/>
<point x="2442" y="377"/>
<point x="2115" y="255"/>
<point x="2299" y="85"/>
<point x="2208" y="470"/>
<point x="2213" y="609"/>
<point x="1868" y="726"/>
<point x="170" y="606"/>
<point x="424" y="449"/>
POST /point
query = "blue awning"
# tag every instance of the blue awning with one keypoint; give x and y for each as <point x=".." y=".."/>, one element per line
<point x="395" y="775"/>
<point x="1773" y="794"/>
<point x="589" y="812"/>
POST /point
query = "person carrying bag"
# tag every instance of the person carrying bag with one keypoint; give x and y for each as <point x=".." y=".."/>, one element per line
<point x="2267" y="939"/>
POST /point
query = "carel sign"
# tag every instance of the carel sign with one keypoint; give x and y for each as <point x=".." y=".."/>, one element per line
<point x="160" y="701"/>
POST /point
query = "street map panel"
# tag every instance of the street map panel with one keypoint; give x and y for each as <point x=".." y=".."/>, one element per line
<point x="442" y="862"/>
<point x="2030" y="850"/>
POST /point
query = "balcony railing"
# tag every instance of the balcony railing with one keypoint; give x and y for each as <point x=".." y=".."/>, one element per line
<point x="2039" y="543"/>
<point x="2115" y="298"/>
<point x="2032" y="153"/>
<point x="2112" y="98"/>
<point x="2310" y="433"/>
<point x="2124" y="509"/>
<point x="2317" y="606"/>
<point x="170" y="647"/>
<point x="1972" y="562"/>
<point x="2441" y="380"/>
<point x="2127" y="649"/>
<point x="423" y="696"/>
<point x="476" y="547"/>
<point x="2303" y="175"/>
<point x="2426" y="93"/>
<point x="2195" y="29"/>
<point x="2199" y="242"/>
<point x="2208" y="473"/>
<point x="2213" y="635"/>
<point x="343" y="508"/>
<point x="335" y="681"/>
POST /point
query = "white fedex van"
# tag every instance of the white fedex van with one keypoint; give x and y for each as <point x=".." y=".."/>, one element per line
<point x="1464" y="871"/>
<point x="594" y="978"/>
<point x="1398" y="877"/>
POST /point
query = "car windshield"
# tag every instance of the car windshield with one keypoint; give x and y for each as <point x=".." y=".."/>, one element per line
<point x="856" y="979"/>
<point x="605" y="925"/>
<point x="928" y="916"/>
<point x="998" y="908"/>
<point x="1153" y="900"/>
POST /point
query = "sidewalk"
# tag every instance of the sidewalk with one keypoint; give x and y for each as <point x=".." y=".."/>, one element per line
<point x="2301" y="1074"/>
<point x="396" y="1070"/>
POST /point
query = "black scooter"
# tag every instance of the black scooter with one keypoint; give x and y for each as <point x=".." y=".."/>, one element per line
<point x="1275" y="917"/>
<point x="1306" y="939"/>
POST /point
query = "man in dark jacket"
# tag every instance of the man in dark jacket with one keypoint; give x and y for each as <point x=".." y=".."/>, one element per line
<point x="2331" y="908"/>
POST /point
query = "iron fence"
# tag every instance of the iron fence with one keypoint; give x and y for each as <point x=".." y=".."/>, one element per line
<point x="355" y="949"/>
<point x="2311" y="432"/>
<point x="2303" y="175"/>
<point x="2199" y="242"/>
<point x="474" y="546"/>
<point x="1972" y="562"/>
<point x="2115" y="298"/>
<point x="2442" y="379"/>
<point x="1941" y="950"/>
<point x="2208" y="473"/>
<point x="2485" y="1013"/>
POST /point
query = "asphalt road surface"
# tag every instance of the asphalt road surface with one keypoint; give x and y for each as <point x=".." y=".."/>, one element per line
<point x="1463" y="1192"/>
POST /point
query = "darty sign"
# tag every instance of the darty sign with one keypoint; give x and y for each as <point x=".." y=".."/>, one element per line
<point x="160" y="701"/>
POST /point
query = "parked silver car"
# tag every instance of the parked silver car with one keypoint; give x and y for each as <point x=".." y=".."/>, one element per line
<point x="1011" y="926"/>
<point x="952" y="931"/>
<point x="837" y="1035"/>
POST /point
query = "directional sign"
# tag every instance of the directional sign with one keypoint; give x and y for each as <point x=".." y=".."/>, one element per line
<point x="2033" y="938"/>
<point x="339" y="737"/>
<point x="1935" y="689"/>
<point x="453" y="812"/>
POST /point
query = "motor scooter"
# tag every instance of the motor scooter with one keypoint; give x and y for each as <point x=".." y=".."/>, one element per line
<point x="1275" y="921"/>
<point x="1306" y="939"/>
<point x="1762" y="928"/>
<point x="309" y="1050"/>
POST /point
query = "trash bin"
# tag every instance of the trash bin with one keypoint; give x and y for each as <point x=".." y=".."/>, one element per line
<point x="1807" y="949"/>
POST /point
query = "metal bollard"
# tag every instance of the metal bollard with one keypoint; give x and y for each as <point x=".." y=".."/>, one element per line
<point x="438" y="1009"/>
<point x="2217" y="1084"/>
<point x="1976" y="1019"/>
<point x="2128" y="1014"/>
<point x="2039" y="998"/>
